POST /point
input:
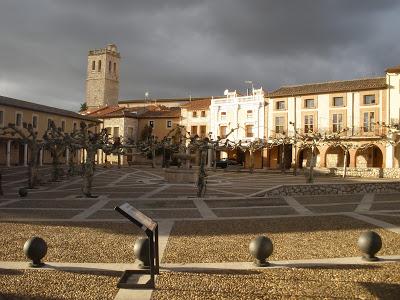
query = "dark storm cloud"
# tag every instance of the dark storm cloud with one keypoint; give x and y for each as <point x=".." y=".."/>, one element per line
<point x="177" y="48"/>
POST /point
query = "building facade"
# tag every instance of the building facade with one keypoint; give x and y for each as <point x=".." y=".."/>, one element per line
<point x="18" y="112"/>
<point x="244" y="114"/>
<point x="358" y="108"/>
<point x="102" y="82"/>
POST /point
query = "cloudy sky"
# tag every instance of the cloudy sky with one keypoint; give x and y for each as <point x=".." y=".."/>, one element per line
<point x="199" y="47"/>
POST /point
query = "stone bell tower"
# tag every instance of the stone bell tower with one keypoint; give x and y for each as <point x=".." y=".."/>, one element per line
<point x="102" y="82"/>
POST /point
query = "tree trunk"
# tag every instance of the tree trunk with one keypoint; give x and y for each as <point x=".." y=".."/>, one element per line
<point x="33" y="168"/>
<point x="283" y="159"/>
<point x="345" y="163"/>
<point x="201" y="182"/>
<point x="311" y="173"/>
<point x="251" y="161"/>
<point x="295" y="161"/>
<point x="88" y="175"/>
<point x="153" y="157"/>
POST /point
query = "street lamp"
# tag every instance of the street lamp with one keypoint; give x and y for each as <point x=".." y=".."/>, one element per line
<point x="252" y="87"/>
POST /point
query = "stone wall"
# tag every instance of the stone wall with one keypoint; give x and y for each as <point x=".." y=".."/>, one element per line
<point x="367" y="172"/>
<point x="335" y="189"/>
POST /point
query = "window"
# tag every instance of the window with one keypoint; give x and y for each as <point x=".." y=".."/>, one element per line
<point x="169" y="124"/>
<point x="151" y="124"/>
<point x="369" y="121"/>
<point x="222" y="131"/>
<point x="249" y="131"/>
<point x="18" y="119"/>
<point x="130" y="132"/>
<point x="1" y="117"/>
<point x="109" y="67"/>
<point x="337" y="122"/>
<point x="99" y="66"/>
<point x="280" y="105"/>
<point x="203" y="113"/>
<point x="203" y="131"/>
<point x="93" y="65"/>
<point x="34" y="121"/>
<point x="249" y="114"/>
<point x="223" y="115"/>
<point x="369" y="99"/>
<point x="279" y="127"/>
<point x="116" y="132"/>
<point x="308" y="123"/>
<point x="337" y="101"/>
<point x="63" y="125"/>
<point x="75" y="126"/>
<point x="193" y="130"/>
<point x="49" y="121"/>
<point x="194" y="114"/>
<point x="309" y="103"/>
<point x="115" y="67"/>
<point x="108" y="129"/>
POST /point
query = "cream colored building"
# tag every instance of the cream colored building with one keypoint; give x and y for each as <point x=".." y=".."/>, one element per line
<point x="358" y="105"/>
<point x="245" y="114"/>
<point x="195" y="116"/>
<point x="18" y="112"/>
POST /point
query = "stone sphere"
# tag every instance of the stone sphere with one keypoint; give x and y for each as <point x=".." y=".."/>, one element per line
<point x="35" y="249"/>
<point x="261" y="248"/>
<point x="369" y="243"/>
<point x="141" y="251"/>
<point x="23" y="192"/>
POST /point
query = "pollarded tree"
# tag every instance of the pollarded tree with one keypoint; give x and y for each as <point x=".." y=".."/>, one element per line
<point x="91" y="142"/>
<point x="29" y="136"/>
<point x="252" y="147"/>
<point x="56" y="143"/>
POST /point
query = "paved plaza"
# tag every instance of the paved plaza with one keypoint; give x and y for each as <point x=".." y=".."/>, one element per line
<point x="203" y="241"/>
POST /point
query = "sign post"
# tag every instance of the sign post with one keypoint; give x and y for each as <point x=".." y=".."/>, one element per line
<point x="150" y="227"/>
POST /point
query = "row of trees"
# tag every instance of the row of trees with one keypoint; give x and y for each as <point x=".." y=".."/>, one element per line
<point x="59" y="143"/>
<point x="311" y="140"/>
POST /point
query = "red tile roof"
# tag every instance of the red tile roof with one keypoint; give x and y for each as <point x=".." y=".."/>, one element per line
<point x="161" y="112"/>
<point x="395" y="69"/>
<point x="330" y="87"/>
<point x="198" y="104"/>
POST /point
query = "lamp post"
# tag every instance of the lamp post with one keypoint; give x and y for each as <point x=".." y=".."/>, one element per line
<point x="252" y="86"/>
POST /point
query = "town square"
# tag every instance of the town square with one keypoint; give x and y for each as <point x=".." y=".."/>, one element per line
<point x="199" y="150"/>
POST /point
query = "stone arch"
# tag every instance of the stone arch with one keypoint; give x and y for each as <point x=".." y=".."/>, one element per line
<point x="371" y="157"/>
<point x="396" y="156"/>
<point x="303" y="158"/>
<point x="334" y="157"/>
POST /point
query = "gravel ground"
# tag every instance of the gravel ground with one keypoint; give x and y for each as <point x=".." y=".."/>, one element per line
<point x="10" y="214"/>
<point x="388" y="196"/>
<point x="395" y="220"/>
<point x="293" y="238"/>
<point x="329" y="199"/>
<point x="245" y="202"/>
<point x="44" y="284"/>
<point x="386" y="206"/>
<point x="140" y="204"/>
<point x="332" y="208"/>
<point x="249" y="212"/>
<point x="344" y="282"/>
<point x="52" y="203"/>
<point x="86" y="242"/>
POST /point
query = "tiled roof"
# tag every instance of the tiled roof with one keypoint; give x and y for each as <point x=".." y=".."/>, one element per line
<point x="395" y="69"/>
<point x="330" y="87"/>
<point x="113" y="112"/>
<point x="161" y="100"/>
<point x="198" y="104"/>
<point x="173" y="112"/>
<point x="43" y="108"/>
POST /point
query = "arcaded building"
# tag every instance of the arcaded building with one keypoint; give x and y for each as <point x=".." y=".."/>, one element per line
<point x="360" y="106"/>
